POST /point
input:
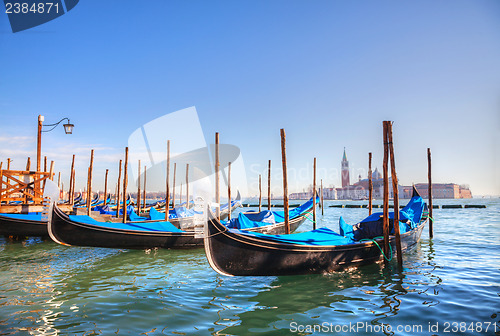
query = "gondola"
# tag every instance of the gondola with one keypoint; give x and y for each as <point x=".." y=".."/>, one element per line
<point x="236" y="252"/>
<point x="180" y="217"/>
<point x="83" y="203"/>
<point x="76" y="200"/>
<point x="80" y="201"/>
<point x="31" y="224"/>
<point x="268" y="222"/>
<point x="95" y="200"/>
<point x="101" y="202"/>
<point x="86" y="231"/>
<point x="272" y="221"/>
<point x="112" y="203"/>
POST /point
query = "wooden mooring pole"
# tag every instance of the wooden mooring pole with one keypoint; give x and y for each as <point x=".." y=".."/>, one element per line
<point x="71" y="182"/>
<point x="395" y="196"/>
<point x="39" y="143"/>
<point x="285" y="181"/>
<point x="173" y="186"/>
<point x="321" y="200"/>
<point x="217" y="166"/>
<point x="70" y="191"/>
<point x="314" y="194"/>
<point x="269" y="186"/>
<point x="429" y="175"/>
<point x="370" y="184"/>
<point x="39" y="148"/>
<point x="118" y="189"/>
<point x="167" y="196"/>
<point x="144" y="190"/>
<point x="386" y="194"/>
<point x="260" y="193"/>
<point x="125" y="183"/>
<point x="51" y="171"/>
<point x="229" y="190"/>
<point x="86" y="192"/>
<point x="138" y="198"/>
<point x="106" y="187"/>
<point x="73" y="187"/>
<point x="89" y="187"/>
<point x="187" y="185"/>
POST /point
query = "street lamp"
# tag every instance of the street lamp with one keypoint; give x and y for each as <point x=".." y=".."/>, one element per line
<point x="68" y="129"/>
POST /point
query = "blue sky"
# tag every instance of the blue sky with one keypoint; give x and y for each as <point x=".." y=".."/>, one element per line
<point x="328" y="72"/>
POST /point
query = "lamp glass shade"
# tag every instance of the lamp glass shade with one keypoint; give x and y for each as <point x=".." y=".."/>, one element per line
<point x="68" y="128"/>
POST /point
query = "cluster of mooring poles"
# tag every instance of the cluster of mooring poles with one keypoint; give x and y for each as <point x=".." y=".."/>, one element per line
<point x="122" y="184"/>
<point x="389" y="158"/>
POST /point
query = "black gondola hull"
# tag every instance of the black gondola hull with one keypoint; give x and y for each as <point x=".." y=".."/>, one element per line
<point x="67" y="232"/>
<point x="231" y="253"/>
<point x="20" y="227"/>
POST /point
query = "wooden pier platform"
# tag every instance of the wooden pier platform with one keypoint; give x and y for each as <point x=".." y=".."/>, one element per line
<point x="27" y="208"/>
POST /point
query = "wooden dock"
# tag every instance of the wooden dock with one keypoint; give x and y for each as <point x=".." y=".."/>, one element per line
<point x="28" y="208"/>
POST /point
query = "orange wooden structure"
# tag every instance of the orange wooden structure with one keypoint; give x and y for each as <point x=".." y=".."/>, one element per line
<point x="24" y="186"/>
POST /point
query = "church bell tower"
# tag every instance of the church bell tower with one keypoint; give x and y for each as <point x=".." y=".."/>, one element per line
<point x="345" y="171"/>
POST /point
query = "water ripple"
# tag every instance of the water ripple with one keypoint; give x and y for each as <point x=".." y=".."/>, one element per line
<point x="48" y="289"/>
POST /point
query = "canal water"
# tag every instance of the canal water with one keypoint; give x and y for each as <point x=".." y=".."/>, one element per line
<point x="450" y="285"/>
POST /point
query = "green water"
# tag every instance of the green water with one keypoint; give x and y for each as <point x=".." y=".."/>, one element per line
<point x="49" y="289"/>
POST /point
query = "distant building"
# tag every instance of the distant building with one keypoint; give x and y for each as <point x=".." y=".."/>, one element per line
<point x="328" y="194"/>
<point x="301" y="195"/>
<point x="465" y="192"/>
<point x="444" y="190"/>
<point x="359" y="190"/>
<point x="345" y="171"/>
<point x="355" y="192"/>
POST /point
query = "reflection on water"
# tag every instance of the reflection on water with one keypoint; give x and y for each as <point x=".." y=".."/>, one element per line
<point x="48" y="289"/>
<point x="286" y="298"/>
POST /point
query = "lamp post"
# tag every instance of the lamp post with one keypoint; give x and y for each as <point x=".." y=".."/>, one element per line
<point x="68" y="128"/>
